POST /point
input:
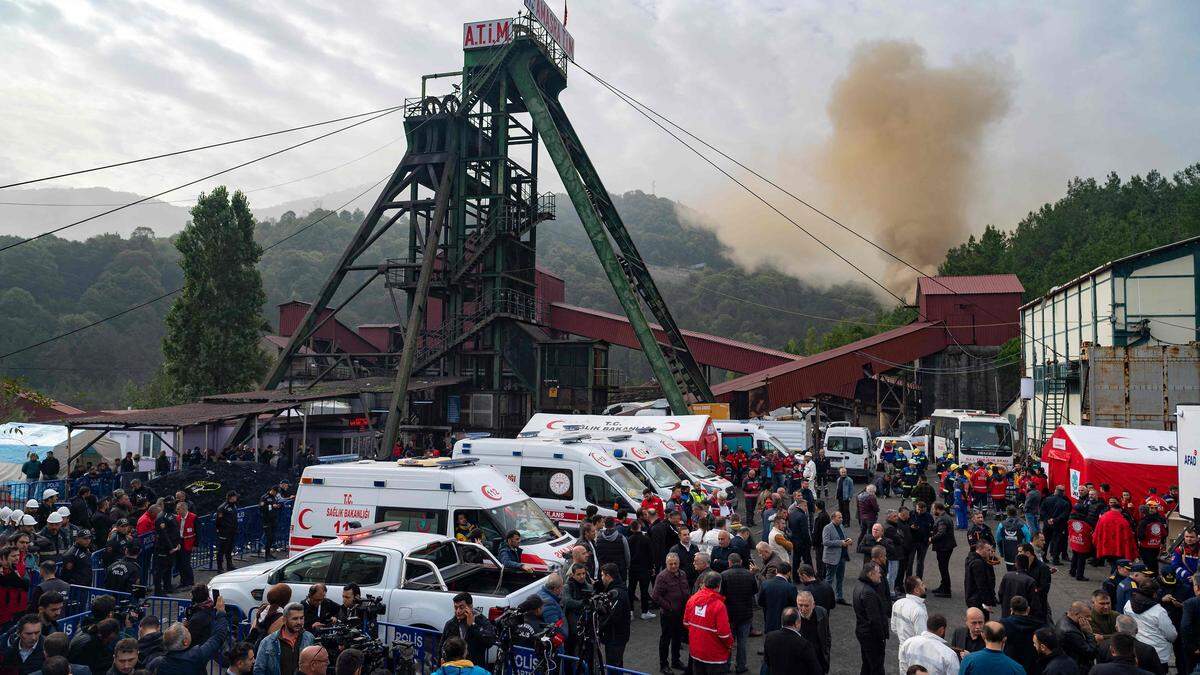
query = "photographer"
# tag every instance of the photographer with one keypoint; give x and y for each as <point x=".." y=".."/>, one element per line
<point x="184" y="658"/>
<point x="200" y="614"/>
<point x="614" y="631"/>
<point x="471" y="627"/>
<point x="279" y="652"/>
<point x="454" y="661"/>
<point x="93" y="647"/>
<point x="576" y="592"/>
<point x="319" y="611"/>
<point x="350" y="611"/>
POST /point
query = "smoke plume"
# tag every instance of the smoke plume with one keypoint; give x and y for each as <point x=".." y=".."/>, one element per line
<point x="901" y="166"/>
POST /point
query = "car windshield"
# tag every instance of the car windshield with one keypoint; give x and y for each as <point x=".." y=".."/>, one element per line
<point x="659" y="471"/>
<point x="850" y="444"/>
<point x="527" y="518"/>
<point x="778" y="444"/>
<point x="626" y="482"/>
<point x="692" y="465"/>
<point x="986" y="436"/>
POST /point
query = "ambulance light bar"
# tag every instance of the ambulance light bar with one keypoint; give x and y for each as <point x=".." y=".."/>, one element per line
<point x="359" y="533"/>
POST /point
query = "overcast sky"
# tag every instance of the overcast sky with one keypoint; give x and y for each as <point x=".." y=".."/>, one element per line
<point x="1095" y="86"/>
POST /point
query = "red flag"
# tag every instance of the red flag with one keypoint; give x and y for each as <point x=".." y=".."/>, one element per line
<point x="564" y="13"/>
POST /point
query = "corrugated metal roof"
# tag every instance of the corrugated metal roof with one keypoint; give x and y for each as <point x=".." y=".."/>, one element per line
<point x="1108" y="265"/>
<point x="973" y="284"/>
<point x="186" y="415"/>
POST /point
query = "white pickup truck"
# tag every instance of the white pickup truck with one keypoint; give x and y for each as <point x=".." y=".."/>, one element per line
<point x="416" y="574"/>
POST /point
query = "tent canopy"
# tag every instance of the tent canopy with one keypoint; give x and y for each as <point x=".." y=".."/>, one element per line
<point x="18" y="439"/>
<point x="1125" y="459"/>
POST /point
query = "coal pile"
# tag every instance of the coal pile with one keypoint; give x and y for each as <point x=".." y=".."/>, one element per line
<point x="207" y="484"/>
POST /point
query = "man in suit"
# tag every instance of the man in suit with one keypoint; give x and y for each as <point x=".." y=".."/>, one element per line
<point x="835" y="552"/>
<point x="786" y="651"/>
<point x="798" y="527"/>
<point x="871" y="618"/>
<point x="776" y="594"/>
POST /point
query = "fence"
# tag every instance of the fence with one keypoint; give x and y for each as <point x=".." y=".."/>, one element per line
<point x="427" y="651"/>
<point x="249" y="541"/>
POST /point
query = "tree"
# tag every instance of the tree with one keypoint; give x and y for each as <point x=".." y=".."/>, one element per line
<point x="13" y="393"/>
<point x="213" y="328"/>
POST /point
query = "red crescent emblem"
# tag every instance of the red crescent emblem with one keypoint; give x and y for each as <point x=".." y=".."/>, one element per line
<point x="671" y="426"/>
<point x="1112" y="440"/>
<point x="551" y="423"/>
<point x="1077" y="526"/>
<point x="300" y="518"/>
<point x="490" y="492"/>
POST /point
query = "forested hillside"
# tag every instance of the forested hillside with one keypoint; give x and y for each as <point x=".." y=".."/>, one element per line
<point x="53" y="285"/>
<point x="1094" y="223"/>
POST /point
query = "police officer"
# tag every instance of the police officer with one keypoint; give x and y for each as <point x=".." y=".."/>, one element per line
<point x="268" y="509"/>
<point x="77" y="560"/>
<point x="118" y="540"/>
<point x="167" y="543"/>
<point x="124" y="573"/>
<point x="226" y="523"/>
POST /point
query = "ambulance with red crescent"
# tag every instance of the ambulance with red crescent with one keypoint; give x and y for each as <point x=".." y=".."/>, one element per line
<point x="429" y="496"/>
<point x="564" y="474"/>
<point x="697" y="433"/>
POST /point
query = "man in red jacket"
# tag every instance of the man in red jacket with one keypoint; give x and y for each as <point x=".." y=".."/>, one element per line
<point x="709" y="635"/>
<point x="653" y="501"/>
<point x="979" y="488"/>
<point x="1114" y="536"/>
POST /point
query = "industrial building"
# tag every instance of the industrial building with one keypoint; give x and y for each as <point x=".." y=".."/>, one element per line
<point x="1116" y="346"/>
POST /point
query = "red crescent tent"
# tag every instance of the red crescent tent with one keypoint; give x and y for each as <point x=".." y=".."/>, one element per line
<point x="1126" y="459"/>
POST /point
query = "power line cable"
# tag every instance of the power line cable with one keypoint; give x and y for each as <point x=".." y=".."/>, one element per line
<point x="249" y="191"/>
<point x="638" y="106"/>
<point x="198" y="180"/>
<point x="209" y="146"/>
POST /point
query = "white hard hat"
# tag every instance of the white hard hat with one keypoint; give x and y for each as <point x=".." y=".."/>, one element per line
<point x="53" y="518"/>
<point x="64" y="512"/>
<point x="16" y="515"/>
<point x="31" y="504"/>
<point x="48" y="493"/>
<point x="28" y="520"/>
<point x="686" y="483"/>
<point x="5" y="513"/>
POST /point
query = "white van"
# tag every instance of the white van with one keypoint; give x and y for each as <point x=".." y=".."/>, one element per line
<point x="849" y="447"/>
<point x="425" y="496"/>
<point x="564" y="475"/>
<point x="792" y="433"/>
<point x="746" y="436"/>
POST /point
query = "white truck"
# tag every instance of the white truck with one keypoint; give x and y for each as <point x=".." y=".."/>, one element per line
<point x="415" y="574"/>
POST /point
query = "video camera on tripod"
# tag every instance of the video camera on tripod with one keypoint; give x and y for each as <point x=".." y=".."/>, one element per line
<point x="340" y="637"/>
<point x="132" y="609"/>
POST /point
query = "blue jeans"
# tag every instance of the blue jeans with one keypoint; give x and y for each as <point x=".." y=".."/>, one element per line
<point x="1032" y="520"/>
<point x="741" y="635"/>
<point x="892" y="571"/>
<point x="834" y="576"/>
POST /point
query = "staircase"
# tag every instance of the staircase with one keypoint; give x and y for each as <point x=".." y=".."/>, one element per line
<point x="504" y="303"/>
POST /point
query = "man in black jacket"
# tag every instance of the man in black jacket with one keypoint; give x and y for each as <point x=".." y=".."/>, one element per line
<point x="662" y="537"/>
<point x="77" y="560"/>
<point x="639" y="566"/>
<point x="1019" y="583"/>
<point x="1077" y="639"/>
<point x="786" y="651"/>
<point x="870" y="619"/>
<point x="980" y="578"/>
<point x="686" y="551"/>
<point x="813" y="624"/>
<point x="799" y="532"/>
<point x="1122" y="658"/>
<point x="820" y="520"/>
<point x="225" y="522"/>
<point x="614" y="634"/>
<point x="822" y="592"/>
<point x="167" y="541"/>
<point x="472" y="628"/>
<point x="943" y="542"/>
<point x="1041" y="573"/>
<point x="1020" y="626"/>
<point x="612" y="547"/>
<point x="1053" y="513"/>
<point x="740" y="587"/>
<point x="776" y="594"/>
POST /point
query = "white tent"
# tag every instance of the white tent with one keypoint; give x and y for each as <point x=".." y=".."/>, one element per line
<point x="18" y="439"/>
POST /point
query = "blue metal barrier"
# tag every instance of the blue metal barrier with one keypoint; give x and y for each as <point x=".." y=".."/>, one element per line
<point x="14" y="494"/>
<point x="70" y="624"/>
<point x="426" y="653"/>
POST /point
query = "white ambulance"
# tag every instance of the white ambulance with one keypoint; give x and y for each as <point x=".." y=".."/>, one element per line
<point x="684" y="463"/>
<point x="647" y="466"/>
<point x="426" y="496"/>
<point x="564" y="475"/>
<point x="694" y="432"/>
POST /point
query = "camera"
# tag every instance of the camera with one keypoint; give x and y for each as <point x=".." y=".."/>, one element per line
<point x="339" y="637"/>
<point x="132" y="609"/>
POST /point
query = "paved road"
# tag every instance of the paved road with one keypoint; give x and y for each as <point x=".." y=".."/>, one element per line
<point x="642" y="651"/>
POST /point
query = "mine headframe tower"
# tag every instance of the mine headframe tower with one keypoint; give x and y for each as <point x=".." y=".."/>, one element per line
<point x="467" y="190"/>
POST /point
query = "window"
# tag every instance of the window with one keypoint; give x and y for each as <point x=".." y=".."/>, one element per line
<point x="419" y="571"/>
<point x="737" y="442"/>
<point x="541" y="482"/>
<point x="151" y="444"/>
<point x="356" y="567"/>
<point x="600" y="492"/>
<point x="307" y="569"/>
<point x="850" y="444"/>
<point x="428" y="521"/>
